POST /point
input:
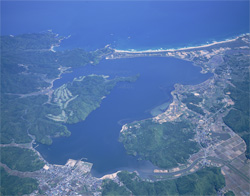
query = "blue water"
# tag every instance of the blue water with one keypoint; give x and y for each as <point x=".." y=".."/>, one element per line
<point x="97" y="137"/>
<point x="127" y="24"/>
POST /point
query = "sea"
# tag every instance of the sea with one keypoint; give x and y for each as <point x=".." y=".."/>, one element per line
<point x="128" y="24"/>
<point x="138" y="25"/>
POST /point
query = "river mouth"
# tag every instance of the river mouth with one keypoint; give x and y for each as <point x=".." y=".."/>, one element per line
<point x="96" y="138"/>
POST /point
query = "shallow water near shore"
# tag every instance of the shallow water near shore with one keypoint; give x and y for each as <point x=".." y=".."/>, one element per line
<point x="96" y="138"/>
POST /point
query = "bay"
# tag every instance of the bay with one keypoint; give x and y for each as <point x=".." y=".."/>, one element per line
<point x="136" y="25"/>
<point x="96" y="138"/>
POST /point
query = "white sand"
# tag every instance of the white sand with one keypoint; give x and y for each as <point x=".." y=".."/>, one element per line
<point x="178" y="49"/>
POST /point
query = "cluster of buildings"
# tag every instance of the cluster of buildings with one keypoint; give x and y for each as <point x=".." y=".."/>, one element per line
<point x="73" y="178"/>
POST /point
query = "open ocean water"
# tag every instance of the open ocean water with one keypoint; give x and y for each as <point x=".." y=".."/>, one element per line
<point x="128" y="24"/>
<point x="136" y="25"/>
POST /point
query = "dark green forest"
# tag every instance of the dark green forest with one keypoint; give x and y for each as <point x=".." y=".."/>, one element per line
<point x="13" y="185"/>
<point x="165" y="145"/>
<point x="207" y="181"/>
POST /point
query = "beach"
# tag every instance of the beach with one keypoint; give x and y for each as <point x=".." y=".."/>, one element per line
<point x="180" y="49"/>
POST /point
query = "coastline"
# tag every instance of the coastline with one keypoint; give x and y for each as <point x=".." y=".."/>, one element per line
<point x="180" y="49"/>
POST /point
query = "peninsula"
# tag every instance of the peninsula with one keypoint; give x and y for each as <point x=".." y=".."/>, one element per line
<point x="218" y="110"/>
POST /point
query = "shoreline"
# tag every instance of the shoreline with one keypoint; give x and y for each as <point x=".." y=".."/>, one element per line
<point x="180" y="49"/>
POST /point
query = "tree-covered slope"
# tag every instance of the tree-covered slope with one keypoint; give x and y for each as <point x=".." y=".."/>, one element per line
<point x="13" y="185"/>
<point x="28" y="69"/>
<point x="204" y="182"/>
<point x="165" y="145"/>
